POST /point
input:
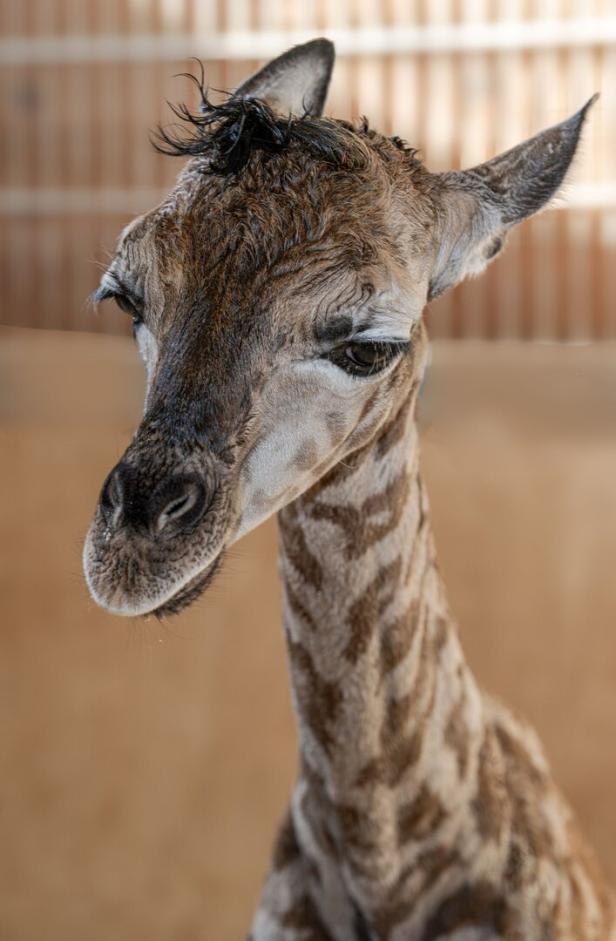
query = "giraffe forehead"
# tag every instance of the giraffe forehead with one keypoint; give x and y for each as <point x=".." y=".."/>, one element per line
<point x="208" y="252"/>
<point x="270" y="215"/>
<point x="293" y="218"/>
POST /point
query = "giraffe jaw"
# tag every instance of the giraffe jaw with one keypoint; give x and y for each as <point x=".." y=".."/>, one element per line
<point x="188" y="593"/>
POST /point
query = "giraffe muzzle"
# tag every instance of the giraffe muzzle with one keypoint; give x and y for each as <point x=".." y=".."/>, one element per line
<point x="157" y="535"/>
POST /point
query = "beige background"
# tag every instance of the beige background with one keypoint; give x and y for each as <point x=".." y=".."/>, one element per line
<point x="144" y="765"/>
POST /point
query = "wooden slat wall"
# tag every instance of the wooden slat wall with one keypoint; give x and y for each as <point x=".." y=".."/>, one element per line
<point x="76" y="163"/>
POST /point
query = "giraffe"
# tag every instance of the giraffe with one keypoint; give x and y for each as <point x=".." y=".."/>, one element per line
<point x="277" y="297"/>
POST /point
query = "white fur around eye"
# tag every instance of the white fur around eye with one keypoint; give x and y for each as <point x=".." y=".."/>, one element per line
<point x="392" y="315"/>
<point x="388" y="332"/>
<point x="330" y="379"/>
<point x="339" y="383"/>
<point x="148" y="349"/>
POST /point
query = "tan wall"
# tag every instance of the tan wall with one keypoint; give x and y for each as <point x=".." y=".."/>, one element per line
<point x="83" y="81"/>
<point x="145" y="765"/>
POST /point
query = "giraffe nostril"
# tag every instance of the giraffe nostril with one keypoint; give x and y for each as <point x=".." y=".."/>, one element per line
<point x="183" y="504"/>
<point x="176" y="502"/>
<point x="112" y="497"/>
<point x="180" y="506"/>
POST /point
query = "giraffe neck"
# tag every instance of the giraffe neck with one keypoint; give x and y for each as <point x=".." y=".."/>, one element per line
<point x="390" y="718"/>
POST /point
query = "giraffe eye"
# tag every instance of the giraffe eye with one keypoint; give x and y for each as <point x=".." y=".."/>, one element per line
<point x="365" y="358"/>
<point x="129" y="307"/>
<point x="125" y="304"/>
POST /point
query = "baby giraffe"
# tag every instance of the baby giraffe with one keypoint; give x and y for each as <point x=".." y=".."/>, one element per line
<point x="277" y="297"/>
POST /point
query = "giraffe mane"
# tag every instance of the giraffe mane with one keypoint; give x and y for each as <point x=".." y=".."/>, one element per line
<point x="230" y="132"/>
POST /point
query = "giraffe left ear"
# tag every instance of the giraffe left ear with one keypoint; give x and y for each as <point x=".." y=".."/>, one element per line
<point x="296" y="82"/>
<point x="479" y="206"/>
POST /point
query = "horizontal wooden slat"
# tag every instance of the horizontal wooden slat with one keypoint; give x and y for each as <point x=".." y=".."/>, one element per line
<point x="374" y="40"/>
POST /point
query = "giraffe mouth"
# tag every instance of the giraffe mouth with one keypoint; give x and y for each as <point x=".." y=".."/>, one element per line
<point x="133" y="576"/>
<point x="188" y="593"/>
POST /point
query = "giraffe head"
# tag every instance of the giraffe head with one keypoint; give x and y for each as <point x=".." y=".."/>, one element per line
<point x="277" y="297"/>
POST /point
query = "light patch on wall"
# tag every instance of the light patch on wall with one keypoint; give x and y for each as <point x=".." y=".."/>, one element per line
<point x="170" y="12"/>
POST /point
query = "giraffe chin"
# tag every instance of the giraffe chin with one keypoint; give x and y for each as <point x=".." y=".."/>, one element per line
<point x="187" y="593"/>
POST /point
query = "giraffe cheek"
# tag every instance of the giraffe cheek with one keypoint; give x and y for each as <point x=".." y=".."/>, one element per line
<point x="271" y="479"/>
<point x="265" y="487"/>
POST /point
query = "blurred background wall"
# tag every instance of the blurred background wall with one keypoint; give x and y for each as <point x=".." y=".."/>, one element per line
<point x="460" y="79"/>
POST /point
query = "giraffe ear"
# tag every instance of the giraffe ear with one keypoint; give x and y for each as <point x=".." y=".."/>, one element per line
<point x="479" y="206"/>
<point x="296" y="82"/>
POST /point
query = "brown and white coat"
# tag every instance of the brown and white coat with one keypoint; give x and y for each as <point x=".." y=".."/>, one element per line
<point x="277" y="296"/>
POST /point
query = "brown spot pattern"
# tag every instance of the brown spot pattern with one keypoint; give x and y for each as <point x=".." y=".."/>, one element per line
<point x="286" y="847"/>
<point x="296" y="549"/>
<point x="457" y="737"/>
<point x="306" y="456"/>
<point x="526" y="787"/>
<point x="396" y="716"/>
<point x="358" y="829"/>
<point x="366" y="611"/>
<point x="304" y="918"/>
<point x="299" y="609"/>
<point x="397" y="637"/>
<point x="425" y="871"/>
<point x="390" y="767"/>
<point x="359" y="533"/>
<point x="399" y="755"/>
<point x="320" y="699"/>
<point x="419" y="817"/>
<point x="395" y="429"/>
<point x="478" y="905"/>
<point x="490" y="804"/>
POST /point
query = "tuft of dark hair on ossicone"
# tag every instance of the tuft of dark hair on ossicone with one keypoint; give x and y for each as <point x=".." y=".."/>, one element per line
<point x="228" y="133"/>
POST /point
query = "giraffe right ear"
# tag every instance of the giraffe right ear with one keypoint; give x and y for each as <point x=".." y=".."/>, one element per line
<point x="478" y="207"/>
<point x="296" y="82"/>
